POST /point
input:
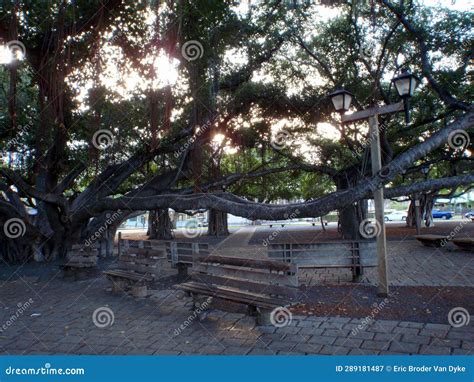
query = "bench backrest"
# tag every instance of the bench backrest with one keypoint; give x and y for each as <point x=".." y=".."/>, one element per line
<point x="184" y="252"/>
<point x="142" y="260"/>
<point x="126" y="244"/>
<point x="272" y="278"/>
<point x="80" y="253"/>
<point x="344" y="253"/>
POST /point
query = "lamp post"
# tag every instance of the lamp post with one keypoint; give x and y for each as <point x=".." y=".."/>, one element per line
<point x="341" y="99"/>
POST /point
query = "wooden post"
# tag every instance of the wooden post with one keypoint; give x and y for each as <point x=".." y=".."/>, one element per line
<point x="417" y="215"/>
<point x="376" y="156"/>
<point x="119" y="246"/>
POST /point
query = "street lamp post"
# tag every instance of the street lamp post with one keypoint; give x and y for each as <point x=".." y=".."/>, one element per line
<point x="341" y="99"/>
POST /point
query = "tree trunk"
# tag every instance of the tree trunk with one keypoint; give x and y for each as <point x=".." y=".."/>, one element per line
<point x="349" y="223"/>
<point x="159" y="225"/>
<point x="217" y="223"/>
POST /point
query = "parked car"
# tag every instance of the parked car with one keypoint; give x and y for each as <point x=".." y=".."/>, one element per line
<point x="469" y="215"/>
<point x="396" y="216"/>
<point x="446" y="215"/>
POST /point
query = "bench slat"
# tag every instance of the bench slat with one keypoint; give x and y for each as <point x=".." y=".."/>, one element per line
<point x="248" y="263"/>
<point x="246" y="273"/>
<point x="236" y="295"/>
<point x="260" y="288"/>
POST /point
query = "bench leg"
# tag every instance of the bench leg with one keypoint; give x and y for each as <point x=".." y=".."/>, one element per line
<point x="182" y="272"/>
<point x="263" y="317"/>
<point x="201" y="306"/>
<point x="357" y="273"/>
<point x="139" y="291"/>
<point x="118" y="286"/>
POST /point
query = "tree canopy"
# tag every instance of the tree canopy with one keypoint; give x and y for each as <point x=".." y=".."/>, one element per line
<point x="138" y="105"/>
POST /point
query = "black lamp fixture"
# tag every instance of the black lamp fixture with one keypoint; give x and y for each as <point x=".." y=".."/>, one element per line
<point x="341" y="99"/>
<point x="405" y="84"/>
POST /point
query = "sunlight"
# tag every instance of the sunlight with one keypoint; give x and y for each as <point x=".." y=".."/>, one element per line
<point x="218" y="138"/>
<point x="6" y="55"/>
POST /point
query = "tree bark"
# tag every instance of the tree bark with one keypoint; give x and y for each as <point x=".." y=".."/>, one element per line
<point x="159" y="225"/>
<point x="217" y="223"/>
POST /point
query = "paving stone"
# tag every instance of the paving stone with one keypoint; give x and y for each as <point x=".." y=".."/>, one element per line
<point x="363" y="335"/>
<point x="387" y="337"/>
<point x="308" y="348"/>
<point x="322" y="340"/>
<point x="311" y="331"/>
<point x="445" y="342"/>
<point x="404" y="347"/>
<point x="428" y="349"/>
<point x="438" y="326"/>
<point x="434" y="333"/>
<point x="408" y="324"/>
<point x="407" y="331"/>
<point x="334" y="350"/>
<point x="288" y="330"/>
<point x="282" y="345"/>
<point x="349" y="342"/>
<point x="375" y="345"/>
<point x="336" y="332"/>
<point x="415" y="339"/>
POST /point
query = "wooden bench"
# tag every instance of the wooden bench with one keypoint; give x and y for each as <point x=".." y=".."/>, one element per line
<point x="262" y="285"/>
<point x="355" y="255"/>
<point x="181" y="255"/>
<point x="81" y="261"/>
<point x="136" y="268"/>
<point x="465" y="243"/>
<point x="432" y="240"/>
<point x="126" y="244"/>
